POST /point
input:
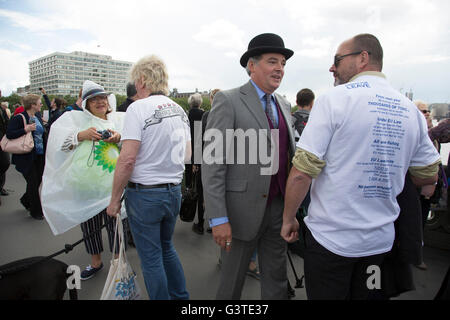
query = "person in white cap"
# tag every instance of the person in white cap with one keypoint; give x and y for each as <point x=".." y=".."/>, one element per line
<point x="80" y="162"/>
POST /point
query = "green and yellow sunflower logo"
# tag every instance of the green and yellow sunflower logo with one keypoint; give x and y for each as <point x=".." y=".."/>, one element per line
<point x="106" y="155"/>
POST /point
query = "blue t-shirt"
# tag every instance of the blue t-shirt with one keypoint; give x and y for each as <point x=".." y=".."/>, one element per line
<point x="38" y="135"/>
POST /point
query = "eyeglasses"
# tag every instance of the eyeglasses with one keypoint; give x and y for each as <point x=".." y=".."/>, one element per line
<point x="98" y="98"/>
<point x="425" y="111"/>
<point x="338" y="59"/>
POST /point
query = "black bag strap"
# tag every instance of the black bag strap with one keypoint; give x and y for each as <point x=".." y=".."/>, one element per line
<point x="194" y="181"/>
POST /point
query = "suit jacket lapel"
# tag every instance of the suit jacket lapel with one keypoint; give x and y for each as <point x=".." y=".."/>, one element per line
<point x="250" y="99"/>
<point x="287" y="119"/>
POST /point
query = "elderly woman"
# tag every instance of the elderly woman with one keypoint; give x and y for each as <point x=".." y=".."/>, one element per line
<point x="30" y="165"/>
<point x="81" y="157"/>
<point x="192" y="172"/>
<point x="156" y="143"/>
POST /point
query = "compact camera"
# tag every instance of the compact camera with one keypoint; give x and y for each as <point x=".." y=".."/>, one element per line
<point x="105" y="134"/>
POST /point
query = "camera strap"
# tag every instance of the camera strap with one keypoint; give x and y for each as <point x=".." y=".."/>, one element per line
<point x="90" y="162"/>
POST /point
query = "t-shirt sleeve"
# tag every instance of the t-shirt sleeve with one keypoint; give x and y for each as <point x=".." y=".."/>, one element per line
<point x="308" y="163"/>
<point x="132" y="129"/>
<point x="318" y="131"/>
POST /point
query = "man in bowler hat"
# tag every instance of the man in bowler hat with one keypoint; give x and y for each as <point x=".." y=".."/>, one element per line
<point x="244" y="204"/>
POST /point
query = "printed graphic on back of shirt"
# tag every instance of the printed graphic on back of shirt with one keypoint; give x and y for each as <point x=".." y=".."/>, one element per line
<point x="167" y="110"/>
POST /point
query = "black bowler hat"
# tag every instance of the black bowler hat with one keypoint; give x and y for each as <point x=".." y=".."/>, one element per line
<point x="265" y="43"/>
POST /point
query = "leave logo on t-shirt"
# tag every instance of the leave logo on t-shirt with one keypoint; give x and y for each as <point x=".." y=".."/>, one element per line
<point x="357" y="85"/>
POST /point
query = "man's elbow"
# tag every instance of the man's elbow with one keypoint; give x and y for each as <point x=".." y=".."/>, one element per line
<point x="299" y="176"/>
<point x="422" y="176"/>
<point x="420" y="182"/>
<point x="127" y="162"/>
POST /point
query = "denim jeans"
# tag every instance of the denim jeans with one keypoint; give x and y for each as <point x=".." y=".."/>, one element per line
<point x="152" y="214"/>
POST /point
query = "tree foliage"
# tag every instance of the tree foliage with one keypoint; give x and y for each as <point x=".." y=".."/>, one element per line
<point x="14" y="99"/>
<point x="183" y="102"/>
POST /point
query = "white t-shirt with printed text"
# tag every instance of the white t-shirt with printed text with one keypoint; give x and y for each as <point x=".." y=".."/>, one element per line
<point x="369" y="135"/>
<point x="162" y="127"/>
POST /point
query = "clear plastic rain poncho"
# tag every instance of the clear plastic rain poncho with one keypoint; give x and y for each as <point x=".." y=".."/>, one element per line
<point x="77" y="183"/>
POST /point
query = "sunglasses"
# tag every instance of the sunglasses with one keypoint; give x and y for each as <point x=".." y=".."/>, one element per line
<point x="425" y="111"/>
<point x="338" y="59"/>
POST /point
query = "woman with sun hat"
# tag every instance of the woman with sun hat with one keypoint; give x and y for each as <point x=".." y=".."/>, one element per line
<point x="81" y="157"/>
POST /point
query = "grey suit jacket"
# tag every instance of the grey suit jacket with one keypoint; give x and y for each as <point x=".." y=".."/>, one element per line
<point x="240" y="191"/>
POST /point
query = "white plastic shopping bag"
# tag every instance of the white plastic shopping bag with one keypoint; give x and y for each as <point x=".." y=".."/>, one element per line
<point x="121" y="281"/>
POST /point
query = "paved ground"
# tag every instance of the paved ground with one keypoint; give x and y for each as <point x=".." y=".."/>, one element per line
<point x="22" y="237"/>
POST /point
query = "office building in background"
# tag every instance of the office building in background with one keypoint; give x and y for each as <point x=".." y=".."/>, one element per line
<point x="64" y="73"/>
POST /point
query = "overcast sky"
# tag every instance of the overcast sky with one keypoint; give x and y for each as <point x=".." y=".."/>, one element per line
<point x="202" y="41"/>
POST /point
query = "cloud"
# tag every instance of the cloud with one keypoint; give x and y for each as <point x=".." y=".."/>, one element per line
<point x="13" y="44"/>
<point x="15" y="70"/>
<point x="221" y="34"/>
<point x="312" y="47"/>
<point x="201" y="42"/>
<point x="41" y="23"/>
<point x="425" y="59"/>
<point x="310" y="16"/>
<point x="232" y="54"/>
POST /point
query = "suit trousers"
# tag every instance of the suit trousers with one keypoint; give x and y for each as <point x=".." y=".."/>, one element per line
<point x="271" y="257"/>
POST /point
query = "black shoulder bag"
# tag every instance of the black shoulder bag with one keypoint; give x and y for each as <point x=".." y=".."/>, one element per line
<point x="189" y="201"/>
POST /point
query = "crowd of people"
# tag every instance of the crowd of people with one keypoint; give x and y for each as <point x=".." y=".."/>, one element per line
<point x="343" y="157"/>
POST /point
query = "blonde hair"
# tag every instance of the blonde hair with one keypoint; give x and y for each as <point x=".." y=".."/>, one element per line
<point x="152" y="71"/>
<point x="212" y="94"/>
<point x="30" y="99"/>
<point x="419" y="103"/>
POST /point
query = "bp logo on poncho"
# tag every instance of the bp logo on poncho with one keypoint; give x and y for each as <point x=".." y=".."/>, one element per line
<point x="106" y="155"/>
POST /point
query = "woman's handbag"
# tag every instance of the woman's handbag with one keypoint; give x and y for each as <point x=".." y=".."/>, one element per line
<point x="21" y="145"/>
<point x="121" y="281"/>
<point x="189" y="202"/>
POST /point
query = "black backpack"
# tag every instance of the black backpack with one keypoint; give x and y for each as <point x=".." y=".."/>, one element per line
<point x="301" y="118"/>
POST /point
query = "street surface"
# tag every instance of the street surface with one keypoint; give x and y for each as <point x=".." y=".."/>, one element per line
<point x="22" y="237"/>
